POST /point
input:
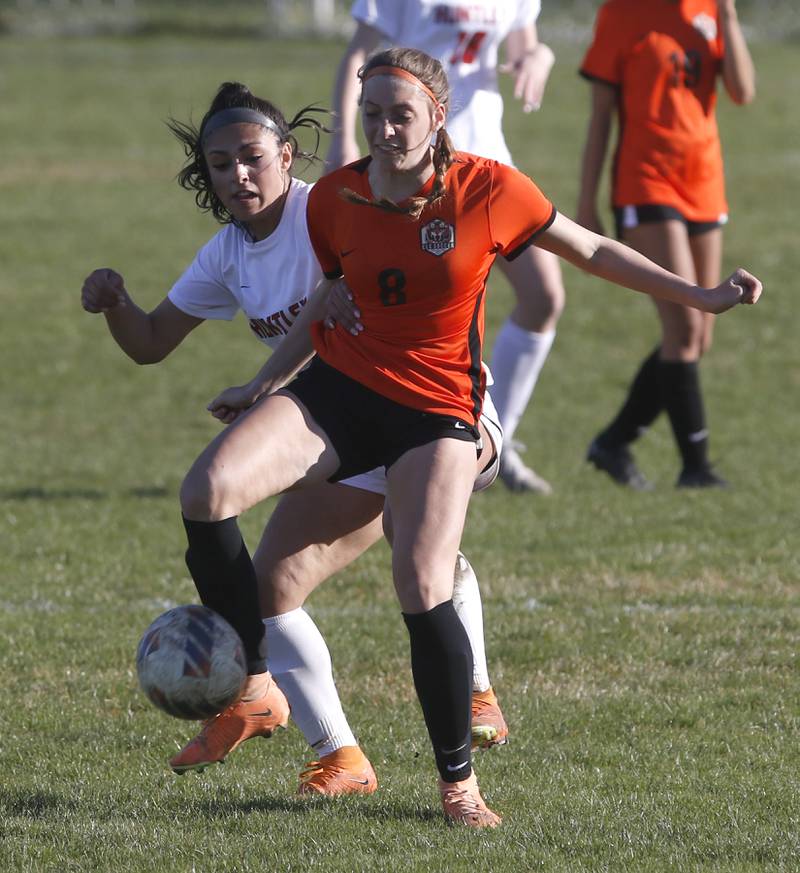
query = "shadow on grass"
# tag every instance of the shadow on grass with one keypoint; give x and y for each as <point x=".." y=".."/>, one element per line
<point x="23" y="494"/>
<point x="360" y="807"/>
<point x="36" y="804"/>
<point x="47" y="494"/>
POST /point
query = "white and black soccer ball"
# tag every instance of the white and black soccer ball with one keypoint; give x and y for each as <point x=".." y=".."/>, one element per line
<point x="191" y="662"/>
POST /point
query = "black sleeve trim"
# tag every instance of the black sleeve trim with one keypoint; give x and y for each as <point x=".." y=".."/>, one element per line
<point x="333" y="274"/>
<point x="589" y="77"/>
<point x="529" y="241"/>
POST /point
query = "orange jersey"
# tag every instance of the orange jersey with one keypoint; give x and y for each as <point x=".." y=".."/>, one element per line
<point x="664" y="57"/>
<point x="420" y="283"/>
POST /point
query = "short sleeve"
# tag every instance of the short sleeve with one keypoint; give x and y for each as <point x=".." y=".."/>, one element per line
<point x="527" y="13"/>
<point x="518" y="211"/>
<point x="606" y="55"/>
<point x="383" y="15"/>
<point x="320" y="218"/>
<point x="201" y="290"/>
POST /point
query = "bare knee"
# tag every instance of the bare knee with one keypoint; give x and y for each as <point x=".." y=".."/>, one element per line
<point x="419" y="589"/>
<point x="286" y="577"/>
<point x="685" y="339"/>
<point x="279" y="590"/>
<point x="539" y="290"/>
<point x="203" y="495"/>
<point x="539" y="307"/>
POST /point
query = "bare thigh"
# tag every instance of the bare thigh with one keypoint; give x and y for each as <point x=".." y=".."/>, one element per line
<point x="313" y="533"/>
<point x="538" y="286"/>
<point x="274" y="446"/>
<point x="682" y="329"/>
<point x="428" y="493"/>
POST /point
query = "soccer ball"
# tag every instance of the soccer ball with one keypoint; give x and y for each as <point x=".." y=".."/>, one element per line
<point x="191" y="662"/>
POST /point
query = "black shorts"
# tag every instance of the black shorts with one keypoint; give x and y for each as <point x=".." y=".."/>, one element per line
<point x="627" y="217"/>
<point x="367" y="429"/>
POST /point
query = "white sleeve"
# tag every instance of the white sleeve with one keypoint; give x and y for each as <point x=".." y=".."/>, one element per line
<point x="384" y="15"/>
<point x="527" y="13"/>
<point x="201" y="290"/>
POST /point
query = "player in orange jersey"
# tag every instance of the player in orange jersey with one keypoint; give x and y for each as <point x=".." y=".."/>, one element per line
<point x="466" y="37"/>
<point x="655" y="65"/>
<point x="413" y="229"/>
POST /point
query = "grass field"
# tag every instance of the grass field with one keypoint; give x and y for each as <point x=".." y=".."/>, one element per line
<point x="644" y="646"/>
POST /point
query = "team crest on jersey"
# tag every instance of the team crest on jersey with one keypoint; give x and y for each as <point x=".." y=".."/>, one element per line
<point x="438" y="237"/>
<point x="706" y="25"/>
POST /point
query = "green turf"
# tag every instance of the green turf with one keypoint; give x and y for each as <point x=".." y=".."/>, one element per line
<point x="644" y="646"/>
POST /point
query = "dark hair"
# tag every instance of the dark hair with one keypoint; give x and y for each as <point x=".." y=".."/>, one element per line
<point x="233" y="95"/>
<point x="431" y="73"/>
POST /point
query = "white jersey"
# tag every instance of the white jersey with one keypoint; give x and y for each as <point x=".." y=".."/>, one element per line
<point x="269" y="280"/>
<point x="465" y="37"/>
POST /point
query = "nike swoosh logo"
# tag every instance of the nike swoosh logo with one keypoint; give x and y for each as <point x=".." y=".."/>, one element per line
<point x="267" y="713"/>
<point x="345" y="254"/>
<point x="459" y="425"/>
<point x="453" y="751"/>
<point x="451" y="767"/>
<point x="359" y="781"/>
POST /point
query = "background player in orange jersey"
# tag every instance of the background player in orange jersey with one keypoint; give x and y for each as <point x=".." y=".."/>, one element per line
<point x="414" y="229"/>
<point x="655" y="66"/>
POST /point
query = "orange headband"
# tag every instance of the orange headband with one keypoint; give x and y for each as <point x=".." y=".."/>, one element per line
<point x="403" y="74"/>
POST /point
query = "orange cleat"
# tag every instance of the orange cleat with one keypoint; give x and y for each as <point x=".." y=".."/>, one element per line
<point x="345" y="771"/>
<point x="227" y="731"/>
<point x="463" y="804"/>
<point x="489" y="728"/>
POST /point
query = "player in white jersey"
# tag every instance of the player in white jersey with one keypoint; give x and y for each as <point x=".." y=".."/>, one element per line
<point x="262" y="263"/>
<point x="466" y="37"/>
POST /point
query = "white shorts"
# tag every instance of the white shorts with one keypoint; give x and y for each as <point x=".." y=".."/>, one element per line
<point x="375" y="480"/>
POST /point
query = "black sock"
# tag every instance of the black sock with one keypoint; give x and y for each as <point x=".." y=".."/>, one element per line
<point x="680" y="387"/>
<point x="225" y="579"/>
<point x="641" y="407"/>
<point x="441" y="661"/>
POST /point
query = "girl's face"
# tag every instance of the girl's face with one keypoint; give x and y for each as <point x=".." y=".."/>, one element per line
<point x="399" y="121"/>
<point x="249" y="170"/>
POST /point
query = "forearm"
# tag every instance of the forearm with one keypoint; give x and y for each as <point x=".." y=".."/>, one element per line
<point x="592" y="162"/>
<point x="296" y="348"/>
<point x="133" y="331"/>
<point x="611" y="260"/>
<point x="524" y="43"/>
<point x="345" y="100"/>
<point x="615" y="262"/>
<point x="738" y="71"/>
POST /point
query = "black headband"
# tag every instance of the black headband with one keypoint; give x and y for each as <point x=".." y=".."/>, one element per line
<point x="239" y="115"/>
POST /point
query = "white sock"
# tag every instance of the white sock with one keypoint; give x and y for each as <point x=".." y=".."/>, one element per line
<point x="517" y="359"/>
<point x="467" y="603"/>
<point x="298" y="658"/>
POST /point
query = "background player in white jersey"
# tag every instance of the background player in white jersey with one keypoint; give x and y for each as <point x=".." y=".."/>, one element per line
<point x="262" y="263"/>
<point x="465" y="37"/>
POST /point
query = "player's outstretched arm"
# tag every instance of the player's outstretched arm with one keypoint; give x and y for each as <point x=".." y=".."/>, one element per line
<point x="624" y="266"/>
<point x="343" y="147"/>
<point x="146" y="337"/>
